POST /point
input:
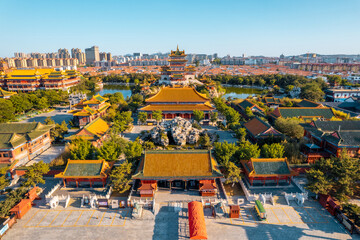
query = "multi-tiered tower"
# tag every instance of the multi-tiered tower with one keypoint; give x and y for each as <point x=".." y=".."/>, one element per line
<point x="177" y="72"/>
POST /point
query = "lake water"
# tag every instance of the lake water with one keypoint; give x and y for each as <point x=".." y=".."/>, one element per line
<point x="241" y="93"/>
<point x="125" y="90"/>
<point x="234" y="92"/>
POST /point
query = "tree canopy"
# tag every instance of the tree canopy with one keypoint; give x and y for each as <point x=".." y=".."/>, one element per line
<point x="198" y="115"/>
<point x="34" y="174"/>
<point x="275" y="150"/>
<point x="335" y="176"/>
<point x="121" y="177"/>
<point x="142" y="116"/>
<point x="290" y="127"/>
<point x="157" y="115"/>
<point x="81" y="149"/>
<point x="224" y="151"/>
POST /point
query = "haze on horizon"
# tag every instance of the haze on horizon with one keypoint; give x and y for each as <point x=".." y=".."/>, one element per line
<point x="262" y="27"/>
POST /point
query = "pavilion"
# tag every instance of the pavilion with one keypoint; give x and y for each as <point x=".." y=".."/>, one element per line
<point x="193" y="170"/>
<point x="87" y="111"/>
<point x="85" y="171"/>
<point x="262" y="171"/>
<point x="178" y="102"/>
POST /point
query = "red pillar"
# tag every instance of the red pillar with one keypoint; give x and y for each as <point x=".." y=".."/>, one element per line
<point x="264" y="181"/>
<point x="64" y="182"/>
<point x="103" y="182"/>
<point x="77" y="183"/>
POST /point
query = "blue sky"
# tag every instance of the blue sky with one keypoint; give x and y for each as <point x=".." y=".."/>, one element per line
<point x="253" y="27"/>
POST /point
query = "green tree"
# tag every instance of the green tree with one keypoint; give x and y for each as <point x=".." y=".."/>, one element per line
<point x="34" y="174"/>
<point x="248" y="112"/>
<point x="241" y="134"/>
<point x="11" y="200"/>
<point x="289" y="88"/>
<point x="246" y="150"/>
<point x="142" y="116"/>
<point x="224" y="152"/>
<point x="57" y="133"/>
<point x="121" y="177"/>
<point x="110" y="151"/>
<point x="20" y="102"/>
<point x="49" y="121"/>
<point x="204" y="141"/>
<point x="275" y="150"/>
<point x="81" y="149"/>
<point x="335" y="176"/>
<point x="157" y="115"/>
<point x="290" y="127"/>
<point x="312" y="92"/>
<point x="147" y="145"/>
<point x="123" y="121"/>
<point x="232" y="174"/>
<point x="133" y="150"/>
<point x="42" y="103"/>
<point x="7" y="110"/>
<point x="231" y="115"/>
<point x="214" y="116"/>
<point x="3" y="181"/>
<point x="136" y="100"/>
<point x="198" y="115"/>
<point x="334" y="80"/>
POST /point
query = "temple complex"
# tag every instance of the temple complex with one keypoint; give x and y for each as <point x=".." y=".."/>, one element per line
<point x="33" y="79"/>
<point x="87" y="111"/>
<point x="178" y="102"/>
<point x="177" y="72"/>
<point x="189" y="170"/>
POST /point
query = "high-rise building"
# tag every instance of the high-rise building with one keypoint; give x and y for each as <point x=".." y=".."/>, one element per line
<point x="20" y="62"/>
<point x="103" y="56"/>
<point x="92" y="55"/>
<point x="37" y="55"/>
<point x="51" y="55"/>
<point x="31" y="62"/>
<point x="63" y="53"/>
<point x="109" y="57"/>
<point x="79" y="55"/>
<point x="20" y="55"/>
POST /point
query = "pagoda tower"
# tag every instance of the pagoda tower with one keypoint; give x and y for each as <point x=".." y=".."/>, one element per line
<point x="176" y="72"/>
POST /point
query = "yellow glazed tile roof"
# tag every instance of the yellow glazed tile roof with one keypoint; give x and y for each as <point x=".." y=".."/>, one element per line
<point x="179" y="164"/>
<point x="186" y="94"/>
<point x="177" y="107"/>
<point x="86" y="111"/>
<point x="31" y="72"/>
<point x="96" y="100"/>
<point x="97" y="127"/>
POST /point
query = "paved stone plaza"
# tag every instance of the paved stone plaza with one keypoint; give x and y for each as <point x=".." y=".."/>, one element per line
<point x="310" y="221"/>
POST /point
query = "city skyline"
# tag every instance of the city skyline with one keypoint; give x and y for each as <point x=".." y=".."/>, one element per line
<point x="261" y="28"/>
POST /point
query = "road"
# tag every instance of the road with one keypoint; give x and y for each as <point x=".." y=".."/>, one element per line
<point x="47" y="156"/>
<point x="58" y="115"/>
<point x="223" y="135"/>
